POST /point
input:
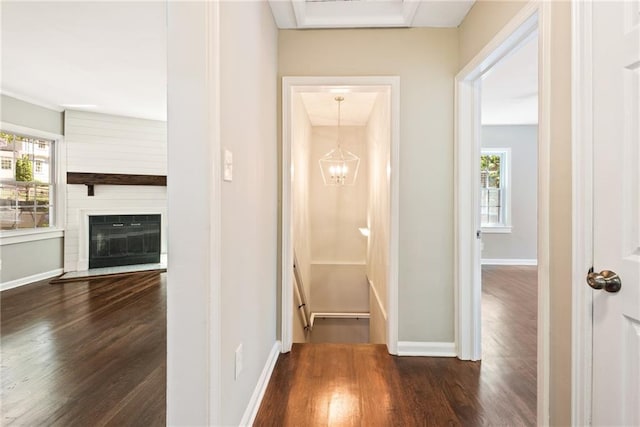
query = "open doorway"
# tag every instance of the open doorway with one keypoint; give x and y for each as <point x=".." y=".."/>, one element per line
<point x="508" y="218"/>
<point x="507" y="208"/>
<point x="340" y="241"/>
<point x="528" y="23"/>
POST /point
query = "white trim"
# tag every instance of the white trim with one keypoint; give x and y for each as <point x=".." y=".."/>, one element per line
<point x="336" y="315"/>
<point x="496" y="230"/>
<point x="378" y="301"/>
<point x="431" y="349"/>
<point x="30" y="235"/>
<point x="534" y="15"/>
<point x="30" y="279"/>
<point x="261" y="386"/>
<point x="337" y="263"/>
<point x="291" y="85"/>
<point x="512" y="261"/>
<point x="59" y="213"/>
<point x="582" y="212"/>
<point x="505" y="186"/>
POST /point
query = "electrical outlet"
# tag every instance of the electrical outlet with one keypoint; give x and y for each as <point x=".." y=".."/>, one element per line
<point x="238" y="360"/>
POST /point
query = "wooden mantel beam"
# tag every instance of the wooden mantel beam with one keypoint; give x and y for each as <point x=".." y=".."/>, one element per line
<point x="91" y="179"/>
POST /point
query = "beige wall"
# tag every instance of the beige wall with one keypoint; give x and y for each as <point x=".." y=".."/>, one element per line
<point x="560" y="216"/>
<point x="379" y="214"/>
<point x="426" y="61"/>
<point x="301" y="154"/>
<point x="25" y="114"/>
<point x="336" y="212"/>
<point x="485" y="19"/>
<point x="17" y="265"/>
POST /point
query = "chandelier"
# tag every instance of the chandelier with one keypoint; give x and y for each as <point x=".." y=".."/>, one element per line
<point x="338" y="166"/>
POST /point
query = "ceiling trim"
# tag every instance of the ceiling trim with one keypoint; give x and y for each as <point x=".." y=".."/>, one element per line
<point x="344" y="14"/>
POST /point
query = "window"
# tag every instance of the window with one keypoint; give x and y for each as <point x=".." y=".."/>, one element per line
<point x="6" y="164"/>
<point x="494" y="193"/>
<point x="27" y="190"/>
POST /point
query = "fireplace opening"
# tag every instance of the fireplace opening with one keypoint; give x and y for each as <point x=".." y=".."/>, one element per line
<point x="123" y="240"/>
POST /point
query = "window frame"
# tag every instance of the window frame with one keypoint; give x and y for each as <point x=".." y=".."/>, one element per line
<point x="58" y="212"/>
<point x="505" y="193"/>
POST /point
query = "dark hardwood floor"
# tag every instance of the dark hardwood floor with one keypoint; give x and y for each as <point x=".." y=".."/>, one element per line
<point x="362" y="385"/>
<point x="85" y="353"/>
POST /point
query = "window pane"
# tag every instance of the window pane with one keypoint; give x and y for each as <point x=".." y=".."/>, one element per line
<point x="26" y="194"/>
<point x="42" y="216"/>
<point x="42" y="195"/>
<point x="8" y="218"/>
<point x="26" y="181"/>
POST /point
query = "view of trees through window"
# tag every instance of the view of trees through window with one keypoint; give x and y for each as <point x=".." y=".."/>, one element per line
<point x="26" y="181"/>
<point x="490" y="195"/>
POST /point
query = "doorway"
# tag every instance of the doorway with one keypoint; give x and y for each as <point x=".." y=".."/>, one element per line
<point x="534" y="17"/>
<point x="364" y="245"/>
<point x="508" y="215"/>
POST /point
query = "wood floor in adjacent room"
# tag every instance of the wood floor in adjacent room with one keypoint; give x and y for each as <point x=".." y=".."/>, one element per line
<point x="85" y="353"/>
<point x="362" y="385"/>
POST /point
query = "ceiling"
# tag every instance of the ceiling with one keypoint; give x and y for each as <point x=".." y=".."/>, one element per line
<point x="322" y="108"/>
<point x="108" y="57"/>
<point x="510" y="88"/>
<point x="298" y="14"/>
<point x="113" y="59"/>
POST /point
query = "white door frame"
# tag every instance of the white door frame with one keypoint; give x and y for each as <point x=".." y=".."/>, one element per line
<point x="582" y="211"/>
<point x="290" y="86"/>
<point x="534" y="15"/>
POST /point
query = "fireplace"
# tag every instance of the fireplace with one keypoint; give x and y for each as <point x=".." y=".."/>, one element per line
<point x="123" y="240"/>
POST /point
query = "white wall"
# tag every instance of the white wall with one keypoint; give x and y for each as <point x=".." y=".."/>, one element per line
<point x="222" y="269"/>
<point x="248" y="96"/>
<point x="378" y="214"/>
<point x="102" y="143"/>
<point x="521" y="243"/>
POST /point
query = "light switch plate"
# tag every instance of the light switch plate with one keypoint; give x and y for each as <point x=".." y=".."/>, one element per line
<point x="227" y="166"/>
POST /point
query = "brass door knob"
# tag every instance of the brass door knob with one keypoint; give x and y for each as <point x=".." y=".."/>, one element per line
<point x="606" y="279"/>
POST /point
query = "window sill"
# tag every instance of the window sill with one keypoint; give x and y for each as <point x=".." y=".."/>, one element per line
<point x="22" y="236"/>
<point x="499" y="229"/>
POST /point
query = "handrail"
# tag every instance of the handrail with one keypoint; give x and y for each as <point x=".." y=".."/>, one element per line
<point x="300" y="296"/>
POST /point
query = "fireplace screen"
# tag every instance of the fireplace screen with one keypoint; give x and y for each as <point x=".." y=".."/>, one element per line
<point x="123" y="240"/>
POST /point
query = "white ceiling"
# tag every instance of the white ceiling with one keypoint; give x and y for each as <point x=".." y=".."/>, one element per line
<point x="510" y="88"/>
<point x="110" y="57"/>
<point x="322" y="108"/>
<point x="369" y="13"/>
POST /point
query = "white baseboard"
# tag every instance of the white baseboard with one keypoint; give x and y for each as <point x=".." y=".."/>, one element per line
<point x="433" y="349"/>
<point x="338" y="316"/>
<point x="30" y="279"/>
<point x="513" y="261"/>
<point x="263" y="381"/>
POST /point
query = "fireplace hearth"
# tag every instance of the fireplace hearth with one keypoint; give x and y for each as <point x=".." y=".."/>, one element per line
<point x="116" y="240"/>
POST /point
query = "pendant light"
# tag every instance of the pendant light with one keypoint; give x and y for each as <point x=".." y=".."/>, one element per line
<point x="338" y="166"/>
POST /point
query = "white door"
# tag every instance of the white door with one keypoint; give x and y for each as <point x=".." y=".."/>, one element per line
<point x="616" y="127"/>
